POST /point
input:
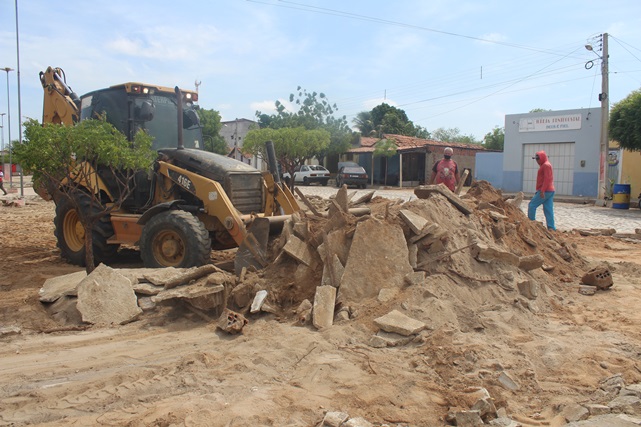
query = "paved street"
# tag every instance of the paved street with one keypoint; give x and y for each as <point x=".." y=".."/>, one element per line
<point x="567" y="215"/>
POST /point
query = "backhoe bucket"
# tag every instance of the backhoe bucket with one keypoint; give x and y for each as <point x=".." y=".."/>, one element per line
<point x="253" y="250"/>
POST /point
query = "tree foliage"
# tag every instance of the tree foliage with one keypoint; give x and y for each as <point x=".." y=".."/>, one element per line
<point x="387" y="119"/>
<point x="495" y="139"/>
<point x="387" y="148"/>
<point x="538" y="110"/>
<point x="293" y="146"/>
<point x="625" y="122"/>
<point x="66" y="158"/>
<point x="211" y="126"/>
<point x="453" y="135"/>
<point x="314" y="112"/>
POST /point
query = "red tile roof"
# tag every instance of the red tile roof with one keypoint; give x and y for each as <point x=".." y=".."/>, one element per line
<point x="408" y="143"/>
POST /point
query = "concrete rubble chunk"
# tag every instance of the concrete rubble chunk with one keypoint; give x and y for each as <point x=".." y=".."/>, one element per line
<point x="301" y="230"/>
<point x="146" y="304"/>
<point x="333" y="272"/>
<point x="191" y="274"/>
<point x="504" y="422"/>
<point x="387" y="294"/>
<point x="298" y="250"/>
<point x="59" y="286"/>
<point x="529" y="289"/>
<point x="200" y="294"/>
<point x="575" y="412"/>
<point x="595" y="409"/>
<point x="259" y="299"/>
<point x="468" y="419"/>
<point x="587" y="290"/>
<point x="610" y="420"/>
<point x="384" y="339"/>
<point x="323" y="311"/>
<point x="497" y="216"/>
<point x="415" y="278"/>
<point x="65" y="311"/>
<point x="334" y="419"/>
<point x="106" y="297"/>
<point x="424" y="191"/>
<point x="630" y="405"/>
<point x="599" y="277"/>
<point x="531" y="262"/>
<point x="7" y="331"/>
<point x="399" y="323"/>
<point x="231" y="322"/>
<point x="416" y="222"/>
<point x="357" y="422"/>
<point x="508" y="382"/>
<point x="378" y="258"/>
<point x="632" y="389"/>
<point x="485" y="253"/>
<point x="147" y="288"/>
<point x="160" y="276"/>
<point x="304" y="312"/>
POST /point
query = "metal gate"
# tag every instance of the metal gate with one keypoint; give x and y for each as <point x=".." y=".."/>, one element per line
<point x="560" y="155"/>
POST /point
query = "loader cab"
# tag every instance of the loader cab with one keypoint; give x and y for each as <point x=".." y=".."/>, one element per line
<point x="130" y="107"/>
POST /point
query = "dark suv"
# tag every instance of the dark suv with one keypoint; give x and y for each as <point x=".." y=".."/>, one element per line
<point x="351" y="175"/>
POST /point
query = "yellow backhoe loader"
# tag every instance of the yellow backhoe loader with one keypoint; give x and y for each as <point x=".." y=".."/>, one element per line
<point x="193" y="201"/>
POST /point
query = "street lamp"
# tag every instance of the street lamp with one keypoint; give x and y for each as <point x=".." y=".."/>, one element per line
<point x="7" y="69"/>
<point x="605" y="112"/>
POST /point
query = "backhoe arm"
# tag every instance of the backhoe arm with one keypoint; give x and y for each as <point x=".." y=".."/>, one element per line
<point x="61" y="105"/>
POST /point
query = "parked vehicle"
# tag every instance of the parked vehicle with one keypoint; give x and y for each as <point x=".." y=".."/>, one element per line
<point x="351" y="175"/>
<point x="309" y="174"/>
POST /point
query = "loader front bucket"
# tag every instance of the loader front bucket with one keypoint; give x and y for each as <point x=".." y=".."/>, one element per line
<point x="252" y="252"/>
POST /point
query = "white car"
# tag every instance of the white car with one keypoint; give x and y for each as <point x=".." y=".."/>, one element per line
<point x="308" y="174"/>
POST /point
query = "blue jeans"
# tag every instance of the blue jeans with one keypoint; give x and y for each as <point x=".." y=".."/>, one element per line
<point x="548" y="208"/>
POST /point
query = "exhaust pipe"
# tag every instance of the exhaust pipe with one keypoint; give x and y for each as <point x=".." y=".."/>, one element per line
<point x="179" y="103"/>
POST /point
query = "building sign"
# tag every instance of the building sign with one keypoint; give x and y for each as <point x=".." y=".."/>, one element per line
<point x="546" y="123"/>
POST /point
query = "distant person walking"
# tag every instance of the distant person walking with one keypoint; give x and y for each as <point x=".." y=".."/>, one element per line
<point x="446" y="171"/>
<point x="2" y="183"/>
<point x="544" y="191"/>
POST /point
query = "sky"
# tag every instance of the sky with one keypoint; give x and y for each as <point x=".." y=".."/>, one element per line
<point x="446" y="63"/>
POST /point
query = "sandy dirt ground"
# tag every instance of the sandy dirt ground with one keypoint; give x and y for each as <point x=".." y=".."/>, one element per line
<point x="173" y="368"/>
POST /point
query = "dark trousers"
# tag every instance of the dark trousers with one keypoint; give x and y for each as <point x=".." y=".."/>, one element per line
<point x="2" y="188"/>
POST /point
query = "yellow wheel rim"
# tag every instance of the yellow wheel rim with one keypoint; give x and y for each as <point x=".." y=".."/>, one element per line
<point x="168" y="248"/>
<point x="74" y="232"/>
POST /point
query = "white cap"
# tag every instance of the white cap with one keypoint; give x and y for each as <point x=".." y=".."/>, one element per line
<point x="448" y="151"/>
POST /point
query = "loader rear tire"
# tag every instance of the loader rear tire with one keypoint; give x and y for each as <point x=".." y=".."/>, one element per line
<point x="175" y="239"/>
<point x="70" y="233"/>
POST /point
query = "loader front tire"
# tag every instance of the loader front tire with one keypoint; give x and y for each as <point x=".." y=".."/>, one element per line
<point x="70" y="233"/>
<point x="175" y="238"/>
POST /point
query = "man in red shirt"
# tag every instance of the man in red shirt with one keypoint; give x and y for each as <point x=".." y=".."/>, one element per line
<point x="1" y="183"/>
<point x="544" y="191"/>
<point x="446" y="171"/>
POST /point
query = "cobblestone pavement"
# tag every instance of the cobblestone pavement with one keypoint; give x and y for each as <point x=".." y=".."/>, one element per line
<point x="566" y="215"/>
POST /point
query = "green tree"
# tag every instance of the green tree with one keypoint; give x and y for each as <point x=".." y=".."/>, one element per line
<point x="453" y="135"/>
<point x="385" y="148"/>
<point x="364" y="124"/>
<point x="314" y="112"/>
<point x="211" y="125"/>
<point x="293" y="146"/>
<point x="538" y="110"/>
<point x="625" y="122"/>
<point x="494" y="140"/>
<point x="66" y="158"/>
<point x="387" y="119"/>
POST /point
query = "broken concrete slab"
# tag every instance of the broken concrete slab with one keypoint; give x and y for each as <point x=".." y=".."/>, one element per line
<point x="424" y="191"/>
<point x="468" y="419"/>
<point x="332" y="272"/>
<point x="595" y="409"/>
<point x="59" y="286"/>
<point x="334" y="419"/>
<point x="364" y="198"/>
<point x="357" y="422"/>
<point x="529" y="289"/>
<point x="377" y="258"/>
<point x="148" y="289"/>
<point x="610" y="420"/>
<point x="508" y="382"/>
<point x="259" y="299"/>
<point x="399" y="323"/>
<point x="575" y="412"/>
<point x="531" y="262"/>
<point x="387" y="294"/>
<point x="298" y="249"/>
<point x="486" y="253"/>
<point x="587" y="290"/>
<point x="190" y="274"/>
<point x="415" y="278"/>
<point x="106" y="297"/>
<point x="430" y="229"/>
<point x="416" y="222"/>
<point x="629" y="404"/>
<point x="324" y="302"/>
<point x="7" y="331"/>
<point x="65" y="311"/>
<point x="201" y="294"/>
<point x="146" y="304"/>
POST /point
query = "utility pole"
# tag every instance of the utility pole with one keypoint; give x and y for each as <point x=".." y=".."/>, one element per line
<point x="7" y="69"/>
<point x="605" y="113"/>
<point x="2" y="136"/>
